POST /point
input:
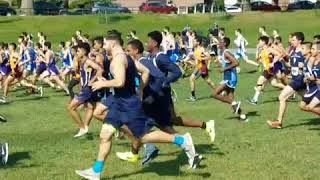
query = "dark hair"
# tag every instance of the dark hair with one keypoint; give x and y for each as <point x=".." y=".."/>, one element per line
<point x="48" y="44"/>
<point x="25" y="43"/>
<point x="226" y="41"/>
<point x="114" y="35"/>
<point x="24" y="33"/>
<point x="62" y="43"/>
<point x="238" y="30"/>
<point x="167" y="28"/>
<point x="38" y="45"/>
<point x="79" y="31"/>
<point x="137" y="44"/>
<point x="316" y="36"/>
<point x="41" y="33"/>
<point x="179" y="33"/>
<point x="86" y="36"/>
<point x="299" y="36"/>
<point x="1" y="45"/>
<point x="264" y="39"/>
<point x="278" y="38"/>
<point x="202" y="41"/>
<point x="174" y="34"/>
<point x="308" y="44"/>
<point x="98" y="39"/>
<point x="20" y="37"/>
<point x="14" y="45"/>
<point x="85" y="47"/>
<point x="5" y="45"/>
<point x="222" y="29"/>
<point x="156" y="36"/>
<point x="134" y="32"/>
<point x="263" y="27"/>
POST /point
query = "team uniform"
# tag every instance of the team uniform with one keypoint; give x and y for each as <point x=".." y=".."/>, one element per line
<point x="86" y="93"/>
<point x="201" y="66"/>
<point x="297" y="82"/>
<point x="241" y="43"/>
<point x="126" y="107"/>
<point x="311" y="87"/>
<point x="230" y="78"/>
<point x="157" y="101"/>
<point x="5" y="68"/>
<point x="266" y="57"/>
<point x="67" y="63"/>
<point x="16" y="70"/>
<point x="29" y="57"/>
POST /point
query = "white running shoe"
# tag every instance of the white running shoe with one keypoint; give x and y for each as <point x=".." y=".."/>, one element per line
<point x="88" y="174"/>
<point x="211" y="130"/>
<point x="188" y="147"/>
<point x="4" y="153"/>
<point x="3" y="99"/>
<point x="81" y="133"/>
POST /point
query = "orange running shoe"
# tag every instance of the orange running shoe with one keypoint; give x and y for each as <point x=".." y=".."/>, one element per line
<point x="275" y="124"/>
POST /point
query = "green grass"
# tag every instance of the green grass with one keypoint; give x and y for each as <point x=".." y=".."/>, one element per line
<point x="40" y="131"/>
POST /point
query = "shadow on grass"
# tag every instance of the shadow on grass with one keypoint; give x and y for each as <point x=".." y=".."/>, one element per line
<point x="14" y="160"/>
<point x="10" y="20"/>
<point x="308" y="122"/>
<point x="270" y="101"/>
<point x="249" y="114"/>
<point x="32" y="98"/>
<point x="250" y="72"/>
<point x="165" y="168"/>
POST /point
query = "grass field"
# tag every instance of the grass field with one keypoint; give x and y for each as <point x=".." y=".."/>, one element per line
<point x="40" y="132"/>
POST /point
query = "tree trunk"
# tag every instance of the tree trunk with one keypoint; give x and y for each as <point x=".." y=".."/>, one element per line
<point x="27" y="7"/>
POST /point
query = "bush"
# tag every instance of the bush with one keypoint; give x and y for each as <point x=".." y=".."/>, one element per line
<point x="4" y="3"/>
<point x="81" y="4"/>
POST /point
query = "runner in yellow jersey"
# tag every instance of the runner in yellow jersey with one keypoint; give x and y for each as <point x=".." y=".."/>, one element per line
<point x="267" y="57"/>
<point x="201" y="69"/>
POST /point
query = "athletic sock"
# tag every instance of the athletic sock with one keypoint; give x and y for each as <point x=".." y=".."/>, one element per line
<point x="256" y="96"/>
<point x="178" y="140"/>
<point x="98" y="166"/>
<point x="234" y="103"/>
<point x="204" y="125"/>
<point x="193" y="93"/>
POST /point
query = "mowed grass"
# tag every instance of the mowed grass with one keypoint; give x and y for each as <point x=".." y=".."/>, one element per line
<point x="40" y="132"/>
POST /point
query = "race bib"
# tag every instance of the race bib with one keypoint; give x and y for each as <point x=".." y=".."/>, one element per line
<point x="294" y="71"/>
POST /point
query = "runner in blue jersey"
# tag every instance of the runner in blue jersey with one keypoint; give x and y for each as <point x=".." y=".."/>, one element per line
<point x="4" y="63"/>
<point x="230" y="79"/>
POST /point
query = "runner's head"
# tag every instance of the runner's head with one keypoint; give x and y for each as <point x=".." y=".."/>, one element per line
<point x="154" y="41"/>
<point x="224" y="43"/>
<point x="135" y="48"/>
<point x="20" y="39"/>
<point x="316" y="38"/>
<point x="201" y="41"/>
<point x="47" y="46"/>
<point x="12" y="47"/>
<point x="305" y="48"/>
<point x="238" y="32"/>
<point x="275" y="33"/>
<point x="98" y="43"/>
<point x="62" y="45"/>
<point x="83" y="49"/>
<point x="263" y="41"/>
<point x="262" y="29"/>
<point x="315" y="49"/>
<point x="112" y="39"/>
<point x="297" y="39"/>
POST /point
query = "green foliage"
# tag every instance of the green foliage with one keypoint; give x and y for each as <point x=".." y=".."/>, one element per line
<point x="81" y="4"/>
<point x="4" y="3"/>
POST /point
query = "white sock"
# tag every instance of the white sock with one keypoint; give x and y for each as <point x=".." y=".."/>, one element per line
<point x="234" y="103"/>
<point x="256" y="96"/>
